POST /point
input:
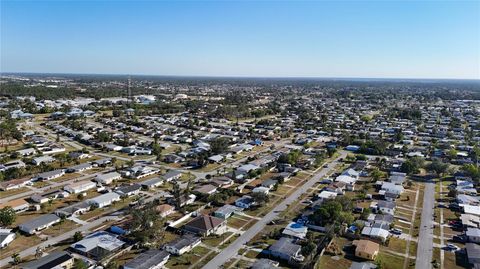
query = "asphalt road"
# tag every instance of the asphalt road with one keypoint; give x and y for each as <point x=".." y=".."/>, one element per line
<point x="425" y="239"/>
<point x="233" y="248"/>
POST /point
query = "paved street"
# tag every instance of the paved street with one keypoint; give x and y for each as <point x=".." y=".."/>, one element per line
<point x="425" y="239"/>
<point x="233" y="248"/>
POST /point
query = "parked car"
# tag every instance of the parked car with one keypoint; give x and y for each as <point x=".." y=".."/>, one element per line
<point x="396" y="231"/>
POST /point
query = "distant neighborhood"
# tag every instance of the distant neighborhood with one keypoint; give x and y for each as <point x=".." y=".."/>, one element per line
<point x="213" y="174"/>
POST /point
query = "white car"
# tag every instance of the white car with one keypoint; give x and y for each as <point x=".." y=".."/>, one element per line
<point x="452" y="247"/>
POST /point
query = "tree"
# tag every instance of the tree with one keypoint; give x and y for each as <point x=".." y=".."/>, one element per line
<point x="177" y="195"/>
<point x="472" y="171"/>
<point x="437" y="166"/>
<point x="376" y="174"/>
<point x="412" y="165"/>
<point x="260" y="198"/>
<point x="16" y="258"/>
<point x="147" y="226"/>
<point x="219" y="145"/>
<point x="77" y="236"/>
<point x="7" y="216"/>
<point x="80" y="264"/>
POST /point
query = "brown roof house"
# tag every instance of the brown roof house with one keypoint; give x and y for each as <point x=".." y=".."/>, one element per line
<point x="366" y="249"/>
<point x="206" y="225"/>
<point x="165" y="210"/>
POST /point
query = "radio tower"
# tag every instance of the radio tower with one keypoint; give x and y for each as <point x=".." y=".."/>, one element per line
<point x="129" y="91"/>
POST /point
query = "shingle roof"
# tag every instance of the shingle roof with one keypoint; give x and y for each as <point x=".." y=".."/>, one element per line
<point x="205" y="222"/>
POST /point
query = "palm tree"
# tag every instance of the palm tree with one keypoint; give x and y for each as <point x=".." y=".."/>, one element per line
<point x="16" y="258"/>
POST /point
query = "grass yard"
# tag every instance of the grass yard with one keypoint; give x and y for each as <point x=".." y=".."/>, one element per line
<point x="60" y="228"/>
<point x="396" y="244"/>
<point x="20" y="243"/>
<point x="390" y="261"/>
<point x="5" y="194"/>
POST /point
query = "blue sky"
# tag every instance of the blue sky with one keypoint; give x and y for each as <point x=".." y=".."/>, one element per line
<point x="384" y="39"/>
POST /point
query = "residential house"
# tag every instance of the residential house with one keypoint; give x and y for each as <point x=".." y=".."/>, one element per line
<point x="152" y="183"/>
<point x="138" y="171"/>
<point x="295" y="230"/>
<point x="225" y="211"/>
<point x="269" y="183"/>
<point x="107" y="178"/>
<point x="386" y="207"/>
<point x="366" y="249"/>
<point x="473" y="254"/>
<point x="287" y="250"/>
<point x="205" y="225"/>
<point x="104" y="199"/>
<point x="48" y="196"/>
<point x="19" y="205"/>
<point x="97" y="245"/>
<point x="14" y="184"/>
<point x="6" y="237"/>
<point x="38" y="224"/>
<point x="473" y="235"/>
<point x="183" y="201"/>
<point x="150" y="259"/>
<point x="79" y="187"/>
<point x="182" y="244"/>
<point x="50" y="175"/>
<point x="221" y="182"/>
<point x="206" y="189"/>
<point x="377" y="231"/>
<point x="245" y="202"/>
<point x="57" y="259"/>
<point x="264" y="264"/>
<point x="12" y="164"/>
<point x="172" y="175"/>
<point x="165" y="210"/>
<point x="471" y="221"/>
<point x="79" y="168"/>
<point x="263" y="190"/>
<point x="128" y="190"/>
<point x="75" y="209"/>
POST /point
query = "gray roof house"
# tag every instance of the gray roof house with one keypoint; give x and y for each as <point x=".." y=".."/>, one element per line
<point x="150" y="259"/>
<point x="473" y="254"/>
<point x="40" y="223"/>
<point x="183" y="244"/>
<point x="58" y="259"/>
<point x="287" y="250"/>
<point x="151" y="183"/>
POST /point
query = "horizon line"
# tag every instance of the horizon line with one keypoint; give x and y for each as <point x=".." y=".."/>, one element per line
<point x="352" y="78"/>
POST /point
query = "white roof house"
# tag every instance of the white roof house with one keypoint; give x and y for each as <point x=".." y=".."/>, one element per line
<point x="98" y="242"/>
<point x="79" y="187"/>
<point x="107" y="178"/>
<point x="326" y="195"/>
<point x="346" y="179"/>
<point x="296" y="230"/>
<point x="6" y="237"/>
<point x="392" y="187"/>
<point x="471" y="209"/>
<point x="104" y="199"/>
